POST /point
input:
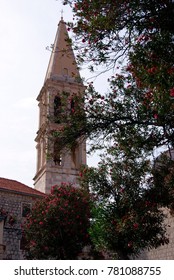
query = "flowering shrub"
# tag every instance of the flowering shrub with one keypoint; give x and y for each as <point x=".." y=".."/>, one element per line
<point x="3" y="213"/>
<point x="10" y="219"/>
<point x="57" y="227"/>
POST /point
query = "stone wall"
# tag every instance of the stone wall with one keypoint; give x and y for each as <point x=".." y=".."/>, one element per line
<point x="14" y="204"/>
<point x="165" y="252"/>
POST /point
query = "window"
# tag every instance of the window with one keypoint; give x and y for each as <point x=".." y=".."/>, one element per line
<point x="57" y="108"/>
<point x="56" y="154"/>
<point x="75" y="156"/>
<point x="23" y="243"/>
<point x="65" y="71"/>
<point x="26" y="209"/>
<point x="72" y="106"/>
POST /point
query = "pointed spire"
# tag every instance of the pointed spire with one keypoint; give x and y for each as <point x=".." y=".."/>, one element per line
<point x="62" y="64"/>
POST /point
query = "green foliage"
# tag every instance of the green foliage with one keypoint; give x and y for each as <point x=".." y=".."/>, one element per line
<point x="126" y="231"/>
<point x="127" y="108"/>
<point x="57" y="227"/>
<point x="138" y="34"/>
<point x="127" y="216"/>
<point x="108" y="29"/>
<point x="132" y="119"/>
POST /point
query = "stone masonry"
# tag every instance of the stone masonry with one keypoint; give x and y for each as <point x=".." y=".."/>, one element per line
<point x="165" y="252"/>
<point x="15" y="205"/>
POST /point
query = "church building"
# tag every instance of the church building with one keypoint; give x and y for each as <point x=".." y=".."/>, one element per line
<point x="62" y="83"/>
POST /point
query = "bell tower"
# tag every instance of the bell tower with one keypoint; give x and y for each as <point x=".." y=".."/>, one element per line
<point x="62" y="83"/>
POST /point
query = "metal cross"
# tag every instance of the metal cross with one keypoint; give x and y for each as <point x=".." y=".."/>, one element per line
<point x="62" y="14"/>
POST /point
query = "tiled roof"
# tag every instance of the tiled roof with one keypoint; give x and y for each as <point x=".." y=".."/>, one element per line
<point x="15" y="186"/>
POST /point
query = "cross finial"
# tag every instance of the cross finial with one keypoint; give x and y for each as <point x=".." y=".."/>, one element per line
<point x="62" y="14"/>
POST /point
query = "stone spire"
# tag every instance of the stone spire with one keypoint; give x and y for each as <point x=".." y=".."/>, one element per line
<point x="62" y="64"/>
<point x="61" y="87"/>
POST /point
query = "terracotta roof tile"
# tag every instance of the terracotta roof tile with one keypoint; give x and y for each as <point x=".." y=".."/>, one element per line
<point x="12" y="185"/>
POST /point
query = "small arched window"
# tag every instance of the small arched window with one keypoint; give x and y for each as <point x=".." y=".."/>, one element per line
<point x="56" y="154"/>
<point x="75" y="153"/>
<point x="57" y="108"/>
<point x="65" y="71"/>
<point x="72" y="106"/>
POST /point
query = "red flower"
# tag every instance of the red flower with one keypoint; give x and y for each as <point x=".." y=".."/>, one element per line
<point x="172" y="92"/>
<point x="135" y="226"/>
<point x="32" y="243"/>
<point x="129" y="244"/>
<point x="147" y="203"/>
<point x="171" y="70"/>
<point x="155" y="116"/>
<point x="152" y="70"/>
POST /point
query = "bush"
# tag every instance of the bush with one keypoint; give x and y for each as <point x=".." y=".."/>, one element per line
<point x="57" y="227"/>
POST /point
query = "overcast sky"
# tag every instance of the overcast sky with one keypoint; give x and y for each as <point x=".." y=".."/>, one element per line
<point x="26" y="28"/>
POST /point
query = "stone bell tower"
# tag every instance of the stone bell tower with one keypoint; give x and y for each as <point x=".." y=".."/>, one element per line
<point x="62" y="82"/>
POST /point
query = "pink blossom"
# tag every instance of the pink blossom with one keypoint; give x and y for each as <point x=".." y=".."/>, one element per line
<point x="152" y="70"/>
<point x="171" y="70"/>
<point x="33" y="243"/>
<point x="135" y="226"/>
<point x="130" y="244"/>
<point x="172" y="92"/>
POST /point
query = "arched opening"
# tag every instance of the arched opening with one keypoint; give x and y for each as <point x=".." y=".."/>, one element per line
<point x="57" y="108"/>
<point x="75" y="155"/>
<point x="72" y="106"/>
<point x="57" y="157"/>
<point x="65" y="71"/>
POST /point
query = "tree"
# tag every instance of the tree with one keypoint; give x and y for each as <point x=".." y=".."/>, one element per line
<point x="129" y="108"/>
<point x="141" y="35"/>
<point x="109" y="29"/>
<point x="57" y="227"/>
<point x="127" y="216"/>
<point x="134" y="117"/>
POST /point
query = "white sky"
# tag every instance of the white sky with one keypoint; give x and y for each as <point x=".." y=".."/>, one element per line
<point x="26" y="28"/>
